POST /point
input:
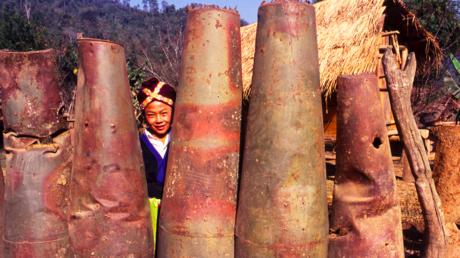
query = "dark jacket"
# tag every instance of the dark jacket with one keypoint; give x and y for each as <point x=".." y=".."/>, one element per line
<point x="154" y="183"/>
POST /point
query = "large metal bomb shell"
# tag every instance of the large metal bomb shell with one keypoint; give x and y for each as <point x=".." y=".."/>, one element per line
<point x="447" y="179"/>
<point x="282" y="205"/>
<point x="366" y="217"/>
<point x="30" y="93"/>
<point x="37" y="196"/>
<point x="199" y="199"/>
<point x="110" y="212"/>
<point x="2" y="209"/>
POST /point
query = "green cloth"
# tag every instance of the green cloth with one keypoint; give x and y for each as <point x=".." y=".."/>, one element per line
<point x="154" y="205"/>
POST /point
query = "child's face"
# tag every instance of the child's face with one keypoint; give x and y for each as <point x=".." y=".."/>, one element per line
<point x="159" y="116"/>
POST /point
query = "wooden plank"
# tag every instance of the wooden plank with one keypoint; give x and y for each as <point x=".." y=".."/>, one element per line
<point x="384" y="47"/>
<point x="385" y="98"/>
<point x="382" y="84"/>
<point x="330" y="121"/>
<point x="404" y="55"/>
<point x="377" y="67"/>
<point x="390" y="33"/>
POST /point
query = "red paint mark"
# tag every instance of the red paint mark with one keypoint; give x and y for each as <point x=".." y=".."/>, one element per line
<point x="199" y="122"/>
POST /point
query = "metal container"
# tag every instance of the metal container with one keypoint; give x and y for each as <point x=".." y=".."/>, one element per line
<point x="366" y="217"/>
<point x="30" y="93"/>
<point x="37" y="196"/>
<point x="198" y="211"/>
<point x="2" y="209"/>
<point x="38" y="159"/>
<point x="110" y="212"/>
<point x="447" y="179"/>
<point x="282" y="206"/>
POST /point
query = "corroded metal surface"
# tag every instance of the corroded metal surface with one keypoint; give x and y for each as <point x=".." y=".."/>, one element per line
<point x="446" y="175"/>
<point x="282" y="206"/>
<point x="366" y="217"/>
<point x="199" y="199"/>
<point x="446" y="171"/>
<point x="110" y="212"/>
<point x="30" y="93"/>
<point x="37" y="196"/>
<point x="38" y="159"/>
<point x="2" y="209"/>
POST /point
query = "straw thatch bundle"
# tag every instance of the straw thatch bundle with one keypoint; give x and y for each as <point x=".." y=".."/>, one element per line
<point x="348" y="40"/>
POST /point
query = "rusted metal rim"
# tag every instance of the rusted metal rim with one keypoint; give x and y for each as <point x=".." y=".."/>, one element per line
<point x="211" y="7"/>
<point x="99" y="40"/>
<point x="30" y="92"/>
<point x="27" y="52"/>
<point x="277" y="2"/>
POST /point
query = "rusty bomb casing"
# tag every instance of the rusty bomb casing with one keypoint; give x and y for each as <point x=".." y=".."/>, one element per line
<point x="366" y="217"/>
<point x="282" y="206"/>
<point x="446" y="175"/>
<point x="110" y="212"/>
<point x="2" y="209"/>
<point x="199" y="199"/>
<point x="38" y="159"/>
<point x="30" y="93"/>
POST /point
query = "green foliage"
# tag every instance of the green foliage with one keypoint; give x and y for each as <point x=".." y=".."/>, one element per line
<point x="440" y="18"/>
<point x="154" y="36"/>
<point x="147" y="36"/>
<point x="451" y="87"/>
<point x="67" y="65"/>
<point x="455" y="63"/>
<point x="134" y="28"/>
<point x="135" y="77"/>
<point x="17" y="33"/>
<point x="69" y="61"/>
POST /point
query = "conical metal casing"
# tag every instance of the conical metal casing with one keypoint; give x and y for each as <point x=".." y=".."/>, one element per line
<point x="199" y="200"/>
<point x="282" y="205"/>
<point x="366" y="217"/>
<point x="110" y="212"/>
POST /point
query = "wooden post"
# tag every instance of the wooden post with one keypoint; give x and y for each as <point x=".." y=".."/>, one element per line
<point x="400" y="86"/>
<point x="407" y="173"/>
<point x="404" y="54"/>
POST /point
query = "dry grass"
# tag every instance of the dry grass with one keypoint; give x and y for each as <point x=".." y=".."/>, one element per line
<point x="348" y="37"/>
<point x="348" y="40"/>
<point x="248" y="48"/>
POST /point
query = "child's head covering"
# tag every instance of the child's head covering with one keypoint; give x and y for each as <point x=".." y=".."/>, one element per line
<point x="153" y="90"/>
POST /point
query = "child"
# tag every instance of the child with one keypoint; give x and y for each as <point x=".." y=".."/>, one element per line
<point x="156" y="100"/>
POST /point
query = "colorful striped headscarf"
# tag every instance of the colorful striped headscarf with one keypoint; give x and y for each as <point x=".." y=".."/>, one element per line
<point x="153" y="90"/>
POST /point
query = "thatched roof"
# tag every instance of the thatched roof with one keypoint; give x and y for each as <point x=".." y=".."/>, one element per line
<point x="349" y="35"/>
